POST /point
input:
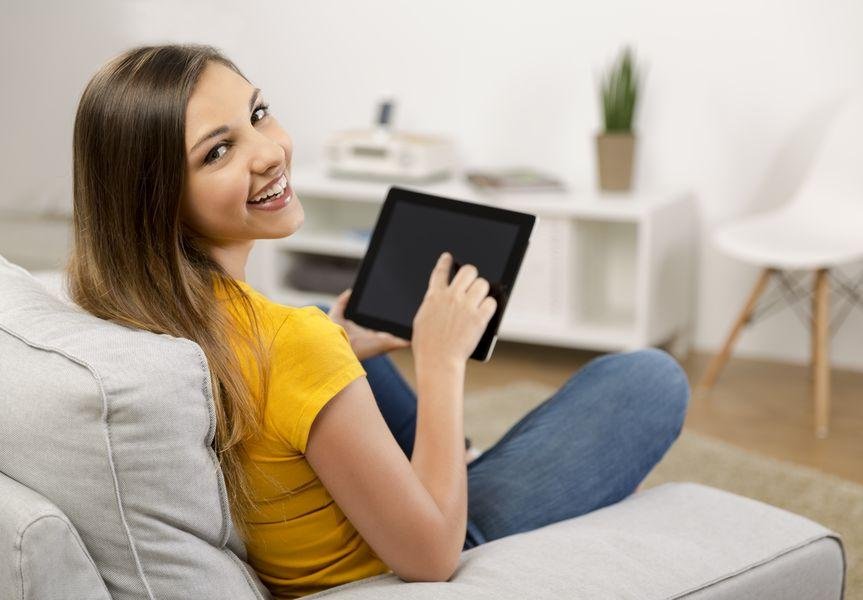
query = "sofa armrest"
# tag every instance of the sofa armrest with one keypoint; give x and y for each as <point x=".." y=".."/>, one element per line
<point x="42" y="556"/>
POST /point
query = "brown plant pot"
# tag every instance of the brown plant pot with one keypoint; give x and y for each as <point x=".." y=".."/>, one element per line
<point x="614" y="153"/>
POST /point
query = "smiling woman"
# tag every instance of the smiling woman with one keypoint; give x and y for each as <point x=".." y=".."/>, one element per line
<point x="238" y="159"/>
<point x="178" y="168"/>
<point x="156" y="226"/>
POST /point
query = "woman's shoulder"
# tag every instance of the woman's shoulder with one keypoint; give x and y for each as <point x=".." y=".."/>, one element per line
<point x="303" y="335"/>
<point x="297" y="321"/>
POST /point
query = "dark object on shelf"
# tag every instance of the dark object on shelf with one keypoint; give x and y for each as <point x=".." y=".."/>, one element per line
<point x="322" y="273"/>
<point x="385" y="113"/>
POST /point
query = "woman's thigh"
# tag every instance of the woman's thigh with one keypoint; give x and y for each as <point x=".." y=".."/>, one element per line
<point x="586" y="447"/>
<point x="395" y="399"/>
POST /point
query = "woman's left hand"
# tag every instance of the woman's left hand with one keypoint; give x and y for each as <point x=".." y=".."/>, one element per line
<point x="366" y="343"/>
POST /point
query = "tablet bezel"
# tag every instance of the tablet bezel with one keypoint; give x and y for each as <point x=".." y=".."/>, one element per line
<point x="524" y="221"/>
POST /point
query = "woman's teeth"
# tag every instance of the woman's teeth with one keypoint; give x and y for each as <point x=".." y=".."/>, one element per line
<point x="275" y="190"/>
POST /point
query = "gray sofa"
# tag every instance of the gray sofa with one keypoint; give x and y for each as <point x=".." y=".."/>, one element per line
<point x="109" y="489"/>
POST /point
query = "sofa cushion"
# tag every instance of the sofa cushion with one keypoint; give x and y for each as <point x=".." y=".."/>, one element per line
<point x="673" y="541"/>
<point x="115" y="426"/>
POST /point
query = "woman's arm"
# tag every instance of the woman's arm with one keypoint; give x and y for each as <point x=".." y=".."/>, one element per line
<point x="395" y="506"/>
<point x="438" y="456"/>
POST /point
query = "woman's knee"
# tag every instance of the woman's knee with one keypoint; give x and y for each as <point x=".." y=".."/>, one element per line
<point x="324" y="307"/>
<point x="665" y="382"/>
<point x="648" y="384"/>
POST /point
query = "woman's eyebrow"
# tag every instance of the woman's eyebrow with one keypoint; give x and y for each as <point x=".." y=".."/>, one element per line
<point x="224" y="128"/>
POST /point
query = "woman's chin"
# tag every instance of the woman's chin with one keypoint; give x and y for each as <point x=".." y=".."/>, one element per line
<point x="283" y="230"/>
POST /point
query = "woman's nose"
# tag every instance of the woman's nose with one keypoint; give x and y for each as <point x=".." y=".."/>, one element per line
<point x="269" y="156"/>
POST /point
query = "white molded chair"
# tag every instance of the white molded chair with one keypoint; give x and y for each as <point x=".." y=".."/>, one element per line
<point x="818" y="230"/>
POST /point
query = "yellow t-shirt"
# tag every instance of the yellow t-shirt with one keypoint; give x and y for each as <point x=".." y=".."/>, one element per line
<point x="300" y="542"/>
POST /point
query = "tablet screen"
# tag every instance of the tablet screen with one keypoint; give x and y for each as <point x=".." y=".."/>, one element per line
<point x="415" y="235"/>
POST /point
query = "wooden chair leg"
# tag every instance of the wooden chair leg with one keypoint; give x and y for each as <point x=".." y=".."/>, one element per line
<point x="821" y="353"/>
<point x="813" y="334"/>
<point x="722" y="356"/>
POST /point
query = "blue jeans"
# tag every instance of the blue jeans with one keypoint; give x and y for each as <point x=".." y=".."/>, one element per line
<point x="587" y="446"/>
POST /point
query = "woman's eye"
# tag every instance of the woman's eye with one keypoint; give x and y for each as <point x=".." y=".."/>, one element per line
<point x="261" y="111"/>
<point x="215" y="153"/>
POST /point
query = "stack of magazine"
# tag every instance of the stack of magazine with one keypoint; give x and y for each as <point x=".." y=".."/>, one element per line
<point x="514" y="179"/>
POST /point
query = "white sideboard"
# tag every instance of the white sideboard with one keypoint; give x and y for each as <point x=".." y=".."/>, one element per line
<point x="603" y="271"/>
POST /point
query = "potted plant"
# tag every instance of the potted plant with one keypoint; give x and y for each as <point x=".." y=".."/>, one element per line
<point x="615" y="146"/>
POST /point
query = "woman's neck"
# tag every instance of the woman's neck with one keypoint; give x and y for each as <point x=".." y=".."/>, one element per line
<point x="232" y="255"/>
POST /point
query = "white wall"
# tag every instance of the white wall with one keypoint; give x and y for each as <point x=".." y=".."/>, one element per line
<point x="730" y="111"/>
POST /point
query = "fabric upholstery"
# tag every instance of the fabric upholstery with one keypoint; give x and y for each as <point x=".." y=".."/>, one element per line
<point x="673" y="541"/>
<point x="810" y="572"/>
<point x="115" y="426"/>
<point x="43" y="556"/>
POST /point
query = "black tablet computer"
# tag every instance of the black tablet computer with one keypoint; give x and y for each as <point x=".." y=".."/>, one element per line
<point x="412" y="231"/>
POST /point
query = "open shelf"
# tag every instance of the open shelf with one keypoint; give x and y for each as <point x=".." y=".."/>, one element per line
<point x="603" y="283"/>
<point x="595" y="336"/>
<point x="333" y="243"/>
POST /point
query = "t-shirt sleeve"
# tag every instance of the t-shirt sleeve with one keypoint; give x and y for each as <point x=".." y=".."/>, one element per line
<point x="312" y="360"/>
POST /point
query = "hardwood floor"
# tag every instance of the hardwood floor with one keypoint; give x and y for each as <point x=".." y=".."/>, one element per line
<point x="757" y="405"/>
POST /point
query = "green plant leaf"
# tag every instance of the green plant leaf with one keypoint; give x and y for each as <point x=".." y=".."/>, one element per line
<point x="619" y="93"/>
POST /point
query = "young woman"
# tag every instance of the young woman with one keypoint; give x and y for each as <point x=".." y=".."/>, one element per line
<point x="336" y="469"/>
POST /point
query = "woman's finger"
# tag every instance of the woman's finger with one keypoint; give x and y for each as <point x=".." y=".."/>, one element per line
<point x="440" y="273"/>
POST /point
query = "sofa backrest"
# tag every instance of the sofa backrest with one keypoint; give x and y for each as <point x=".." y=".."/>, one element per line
<point x="115" y="427"/>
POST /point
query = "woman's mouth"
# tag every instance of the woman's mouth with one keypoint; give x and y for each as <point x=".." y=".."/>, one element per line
<point x="275" y="198"/>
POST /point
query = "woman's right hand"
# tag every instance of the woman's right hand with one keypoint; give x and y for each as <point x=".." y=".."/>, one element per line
<point x="453" y="315"/>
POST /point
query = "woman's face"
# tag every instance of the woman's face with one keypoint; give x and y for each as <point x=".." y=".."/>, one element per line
<point x="247" y="156"/>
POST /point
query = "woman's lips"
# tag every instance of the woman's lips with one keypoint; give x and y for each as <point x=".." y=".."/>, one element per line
<point x="271" y="184"/>
<point x="277" y="203"/>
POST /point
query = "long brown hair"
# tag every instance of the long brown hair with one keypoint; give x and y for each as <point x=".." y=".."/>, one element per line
<point x="133" y="261"/>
